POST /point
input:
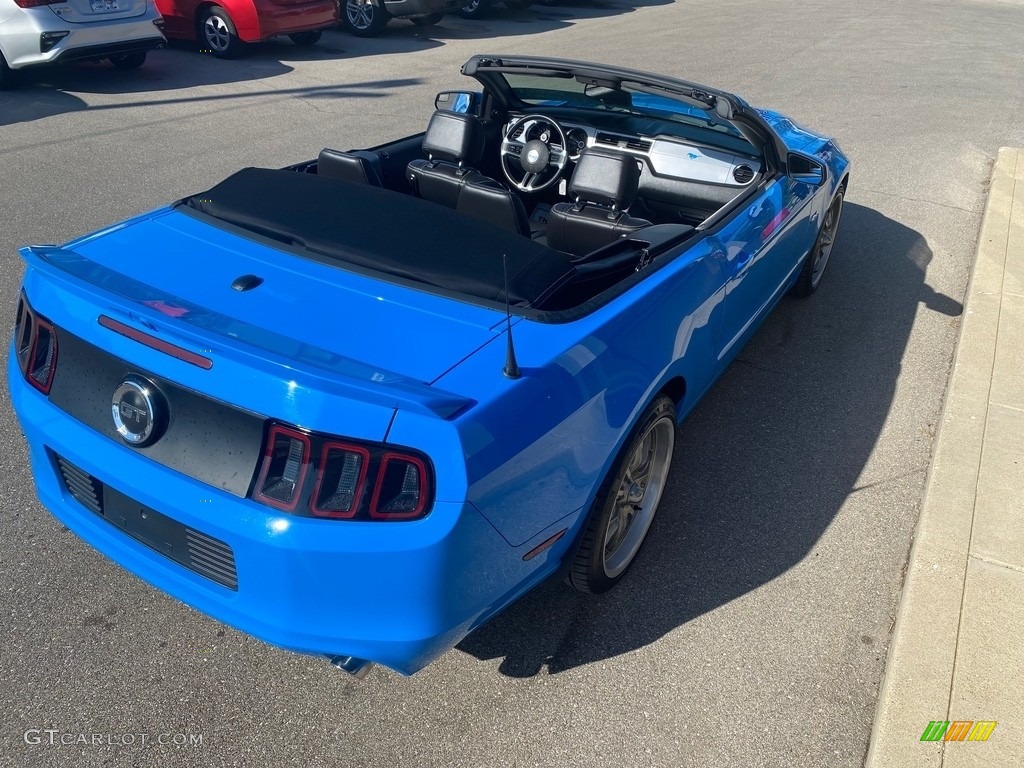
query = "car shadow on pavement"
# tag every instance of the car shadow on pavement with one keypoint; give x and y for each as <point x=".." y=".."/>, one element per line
<point x="54" y="92"/>
<point x="49" y="91"/>
<point x="762" y="466"/>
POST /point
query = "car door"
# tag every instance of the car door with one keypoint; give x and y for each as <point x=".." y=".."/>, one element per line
<point x="761" y="248"/>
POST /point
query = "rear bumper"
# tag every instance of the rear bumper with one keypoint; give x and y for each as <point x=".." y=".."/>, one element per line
<point x="408" y="8"/>
<point x="84" y="41"/>
<point x="106" y="50"/>
<point x="398" y="594"/>
<point x="276" y="19"/>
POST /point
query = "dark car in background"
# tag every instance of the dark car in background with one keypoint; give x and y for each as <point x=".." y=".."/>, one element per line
<point x="367" y="18"/>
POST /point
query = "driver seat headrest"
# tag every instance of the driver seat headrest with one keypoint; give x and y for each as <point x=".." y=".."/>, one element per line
<point x="456" y="137"/>
<point x="605" y="177"/>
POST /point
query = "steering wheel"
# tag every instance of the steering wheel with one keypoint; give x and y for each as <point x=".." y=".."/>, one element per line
<point x="534" y="164"/>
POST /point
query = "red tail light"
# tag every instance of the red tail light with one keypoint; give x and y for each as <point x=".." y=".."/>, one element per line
<point x="43" y="360"/>
<point x="285" y="462"/>
<point x="37" y="3"/>
<point x="35" y="343"/>
<point x="341" y="479"/>
<point x="350" y="480"/>
<point x="23" y="334"/>
<point x="400" y="492"/>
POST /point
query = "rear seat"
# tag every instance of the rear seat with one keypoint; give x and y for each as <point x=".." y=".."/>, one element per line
<point x="356" y="165"/>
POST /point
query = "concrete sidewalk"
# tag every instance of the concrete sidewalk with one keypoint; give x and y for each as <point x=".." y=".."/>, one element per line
<point x="957" y="652"/>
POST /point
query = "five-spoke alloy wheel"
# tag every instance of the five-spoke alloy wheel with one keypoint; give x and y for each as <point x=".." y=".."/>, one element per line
<point x="218" y="32"/>
<point x="627" y="502"/>
<point x="364" y="18"/>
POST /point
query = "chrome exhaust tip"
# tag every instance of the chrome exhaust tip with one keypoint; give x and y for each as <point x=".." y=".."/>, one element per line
<point x="358" y="668"/>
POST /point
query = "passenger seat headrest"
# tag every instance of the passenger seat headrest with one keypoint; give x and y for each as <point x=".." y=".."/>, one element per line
<point x="605" y="177"/>
<point x="454" y="136"/>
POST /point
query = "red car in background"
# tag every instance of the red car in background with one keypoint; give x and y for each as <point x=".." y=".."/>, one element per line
<point x="223" y="28"/>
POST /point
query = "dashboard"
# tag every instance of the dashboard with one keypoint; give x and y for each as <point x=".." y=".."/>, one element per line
<point x="668" y="157"/>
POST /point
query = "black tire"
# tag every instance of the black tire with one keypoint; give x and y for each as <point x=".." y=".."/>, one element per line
<point x="427" y="21"/>
<point x="6" y="75"/>
<point x="518" y="5"/>
<point x="132" y="60"/>
<point x="593" y="571"/>
<point x="364" y="18"/>
<point x="218" y="35"/>
<point x="817" y="259"/>
<point x="475" y="9"/>
<point x="306" y="39"/>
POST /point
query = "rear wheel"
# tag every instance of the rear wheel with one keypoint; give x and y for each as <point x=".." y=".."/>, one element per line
<point x="218" y="33"/>
<point x="364" y="18"/>
<point x="475" y="9"/>
<point x="132" y="60"/>
<point x="306" y="39"/>
<point x="816" y="261"/>
<point x="627" y="502"/>
<point x="427" y="21"/>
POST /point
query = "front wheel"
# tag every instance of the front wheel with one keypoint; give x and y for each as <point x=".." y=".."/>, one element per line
<point x="364" y="18"/>
<point x="816" y="261"/>
<point x="217" y="31"/>
<point x="626" y="502"/>
<point x="132" y="60"/>
<point x="475" y="9"/>
<point x="306" y="39"/>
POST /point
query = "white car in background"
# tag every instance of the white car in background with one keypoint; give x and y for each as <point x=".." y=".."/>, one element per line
<point x="43" y="32"/>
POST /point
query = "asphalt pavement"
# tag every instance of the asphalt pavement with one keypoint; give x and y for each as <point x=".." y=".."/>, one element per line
<point x="753" y="629"/>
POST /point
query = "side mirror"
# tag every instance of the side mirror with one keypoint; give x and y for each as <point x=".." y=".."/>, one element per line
<point x="464" y="102"/>
<point x="806" y="169"/>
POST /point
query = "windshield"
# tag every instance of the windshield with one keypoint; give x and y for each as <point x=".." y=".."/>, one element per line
<point x="630" y="98"/>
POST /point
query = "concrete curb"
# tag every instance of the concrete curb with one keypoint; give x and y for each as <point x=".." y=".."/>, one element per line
<point x="969" y="534"/>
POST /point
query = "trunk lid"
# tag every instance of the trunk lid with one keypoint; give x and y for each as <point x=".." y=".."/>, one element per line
<point x="87" y="11"/>
<point x="307" y="309"/>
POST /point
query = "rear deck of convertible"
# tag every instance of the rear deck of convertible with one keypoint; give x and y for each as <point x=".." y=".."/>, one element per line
<point x="405" y="240"/>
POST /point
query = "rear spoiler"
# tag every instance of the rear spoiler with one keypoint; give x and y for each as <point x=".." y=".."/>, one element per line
<point x="163" y="313"/>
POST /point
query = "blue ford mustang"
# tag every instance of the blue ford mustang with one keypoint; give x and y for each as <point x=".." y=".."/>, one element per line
<point x="357" y="406"/>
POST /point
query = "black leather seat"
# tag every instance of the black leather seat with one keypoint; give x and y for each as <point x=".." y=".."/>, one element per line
<point x="454" y="144"/>
<point x="356" y="165"/>
<point x="603" y="186"/>
<point x="489" y="200"/>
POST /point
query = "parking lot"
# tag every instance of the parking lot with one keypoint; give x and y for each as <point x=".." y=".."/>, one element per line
<point x="754" y="627"/>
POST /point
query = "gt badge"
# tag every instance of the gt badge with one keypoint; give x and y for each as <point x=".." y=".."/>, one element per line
<point x="136" y="410"/>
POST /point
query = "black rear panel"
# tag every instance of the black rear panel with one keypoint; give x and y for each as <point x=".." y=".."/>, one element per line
<point x="196" y="551"/>
<point x="204" y="439"/>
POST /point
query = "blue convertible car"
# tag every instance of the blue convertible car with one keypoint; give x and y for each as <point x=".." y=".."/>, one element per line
<point x="357" y="406"/>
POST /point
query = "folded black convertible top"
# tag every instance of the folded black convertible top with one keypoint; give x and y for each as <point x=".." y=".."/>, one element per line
<point x="370" y="228"/>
